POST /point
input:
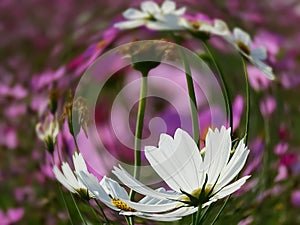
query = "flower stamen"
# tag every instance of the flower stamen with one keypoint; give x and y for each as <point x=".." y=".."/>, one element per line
<point x="122" y="205"/>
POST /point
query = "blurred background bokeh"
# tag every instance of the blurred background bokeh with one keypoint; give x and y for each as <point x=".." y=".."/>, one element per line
<point x="45" y="46"/>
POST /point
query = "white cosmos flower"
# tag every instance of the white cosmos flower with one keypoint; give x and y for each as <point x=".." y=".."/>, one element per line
<point x="166" y="17"/>
<point x="70" y="179"/>
<point x="242" y="42"/>
<point x="116" y="197"/>
<point x="47" y="130"/>
<point x="195" y="179"/>
<point x="219" y="27"/>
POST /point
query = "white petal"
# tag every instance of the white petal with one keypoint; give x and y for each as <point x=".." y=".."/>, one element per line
<point x="209" y="202"/>
<point x="259" y="53"/>
<point x="267" y="70"/>
<point x="235" y="164"/>
<point x="137" y="186"/>
<point x="152" y="208"/>
<point x="165" y="22"/>
<point x="229" y="189"/>
<point x="172" y="216"/>
<point x="220" y="27"/>
<point x="184" y="211"/>
<point x="180" y="11"/>
<point x="150" y="7"/>
<point x="134" y="14"/>
<point x="62" y="179"/>
<point x="168" y="7"/>
<point x="129" y="24"/>
<point x="218" y="147"/>
<point x="93" y="185"/>
<point x="153" y="200"/>
<point x="115" y="190"/>
<point x="72" y="180"/>
<point x="79" y="162"/>
<point x="155" y="217"/>
<point x="178" y="164"/>
<point x="242" y="36"/>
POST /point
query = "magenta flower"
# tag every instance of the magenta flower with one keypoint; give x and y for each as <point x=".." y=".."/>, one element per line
<point x="268" y="106"/>
<point x="295" y="198"/>
<point x="11" y="216"/>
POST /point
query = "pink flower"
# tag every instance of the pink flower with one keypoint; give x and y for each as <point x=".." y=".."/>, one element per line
<point x="256" y="78"/>
<point x="11" y="216"/>
<point x="268" y="106"/>
<point x="281" y="148"/>
<point x="282" y="173"/>
<point x="295" y="198"/>
<point x="237" y="108"/>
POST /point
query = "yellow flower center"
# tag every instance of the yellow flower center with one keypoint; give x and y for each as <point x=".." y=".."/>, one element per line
<point x="195" y="24"/>
<point x="201" y="198"/>
<point x="243" y="47"/>
<point x="121" y="205"/>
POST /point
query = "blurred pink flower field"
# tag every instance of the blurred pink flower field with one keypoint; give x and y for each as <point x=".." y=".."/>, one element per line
<point x="104" y="104"/>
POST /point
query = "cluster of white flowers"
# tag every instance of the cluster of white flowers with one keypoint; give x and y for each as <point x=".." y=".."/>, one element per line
<point x="167" y="17"/>
<point x="193" y="179"/>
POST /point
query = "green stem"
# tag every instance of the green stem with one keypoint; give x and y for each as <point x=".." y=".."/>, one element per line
<point x="139" y="129"/>
<point x="193" y="101"/>
<point x="78" y="211"/>
<point x="102" y="212"/>
<point x="198" y="215"/>
<point x="191" y="91"/>
<point x="247" y="101"/>
<point x="96" y="215"/>
<point x="266" y="157"/>
<point x="221" y="210"/>
<point x="129" y="220"/>
<point x="224" y="84"/>
<point x="65" y="203"/>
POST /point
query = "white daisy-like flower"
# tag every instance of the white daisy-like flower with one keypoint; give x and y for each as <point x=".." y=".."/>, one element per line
<point x="166" y="17"/>
<point x="219" y="27"/>
<point x="242" y="42"/>
<point x="47" y="131"/>
<point x="116" y="197"/>
<point x="196" y="180"/>
<point x="70" y="179"/>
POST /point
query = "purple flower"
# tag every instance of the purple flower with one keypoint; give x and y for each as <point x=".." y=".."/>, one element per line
<point x="282" y="173"/>
<point x="281" y="148"/>
<point x="256" y="78"/>
<point x="11" y="216"/>
<point x="8" y="137"/>
<point x="237" y="108"/>
<point x="16" y="92"/>
<point x="288" y="159"/>
<point x="268" y="106"/>
<point x="295" y="198"/>
<point x="246" y="221"/>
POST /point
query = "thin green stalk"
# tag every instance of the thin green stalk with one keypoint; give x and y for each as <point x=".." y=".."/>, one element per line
<point x="221" y="210"/>
<point x="191" y="91"/>
<point x="65" y="203"/>
<point x="198" y="215"/>
<point x="95" y="214"/>
<point x="247" y="101"/>
<point x="204" y="214"/>
<point x="129" y="220"/>
<point x="102" y="212"/>
<point x="193" y="101"/>
<point x="139" y="129"/>
<point x="78" y="210"/>
<point x="266" y="157"/>
<point x="224" y="84"/>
